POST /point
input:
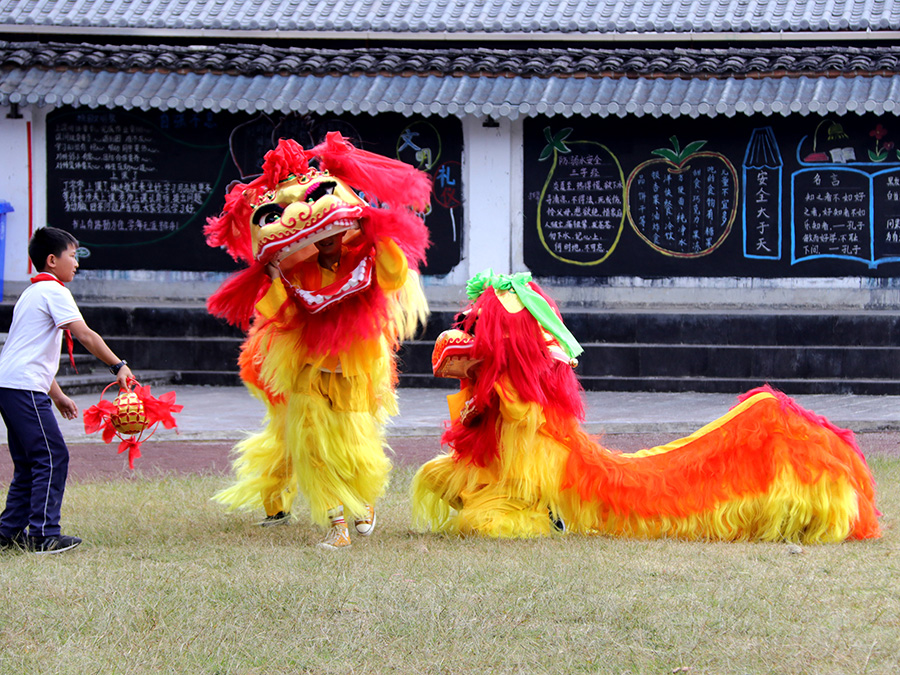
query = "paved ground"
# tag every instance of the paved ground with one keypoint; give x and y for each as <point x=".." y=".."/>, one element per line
<point x="215" y="417"/>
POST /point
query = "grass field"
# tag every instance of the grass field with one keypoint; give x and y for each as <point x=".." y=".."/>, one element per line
<point x="166" y="582"/>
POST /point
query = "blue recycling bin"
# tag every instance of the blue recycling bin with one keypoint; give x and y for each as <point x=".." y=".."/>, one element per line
<point x="5" y="207"/>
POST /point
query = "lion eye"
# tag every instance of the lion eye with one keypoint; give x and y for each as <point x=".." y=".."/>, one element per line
<point x="320" y="190"/>
<point x="267" y="214"/>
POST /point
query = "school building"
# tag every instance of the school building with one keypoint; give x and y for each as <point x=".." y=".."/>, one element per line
<point x="710" y="189"/>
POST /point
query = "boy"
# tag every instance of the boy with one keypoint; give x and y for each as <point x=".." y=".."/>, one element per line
<point x="28" y="365"/>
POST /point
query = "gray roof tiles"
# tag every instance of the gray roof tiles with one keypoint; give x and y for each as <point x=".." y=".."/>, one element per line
<point x="498" y="17"/>
<point x="535" y="62"/>
<point x="510" y="97"/>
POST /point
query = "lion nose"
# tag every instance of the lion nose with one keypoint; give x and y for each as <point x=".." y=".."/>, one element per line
<point x="297" y="214"/>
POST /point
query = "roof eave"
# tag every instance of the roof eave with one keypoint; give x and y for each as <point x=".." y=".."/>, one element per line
<point x="446" y="36"/>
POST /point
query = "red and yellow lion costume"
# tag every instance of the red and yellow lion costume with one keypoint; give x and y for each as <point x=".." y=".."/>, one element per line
<point x="321" y="350"/>
<point x="520" y="464"/>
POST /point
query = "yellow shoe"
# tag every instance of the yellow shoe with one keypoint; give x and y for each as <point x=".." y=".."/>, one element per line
<point x="365" y="525"/>
<point x="338" y="537"/>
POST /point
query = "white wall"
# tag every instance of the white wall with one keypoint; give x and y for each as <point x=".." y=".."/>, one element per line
<point x="492" y="157"/>
<point x="488" y="181"/>
<point x="15" y="174"/>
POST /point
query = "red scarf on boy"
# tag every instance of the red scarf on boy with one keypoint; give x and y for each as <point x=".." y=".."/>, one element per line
<point x="70" y="345"/>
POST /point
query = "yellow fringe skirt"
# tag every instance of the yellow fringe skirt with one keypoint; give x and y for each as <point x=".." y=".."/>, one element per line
<point x="324" y="443"/>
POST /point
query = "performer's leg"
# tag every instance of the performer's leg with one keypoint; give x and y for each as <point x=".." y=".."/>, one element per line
<point x="338" y="457"/>
<point x="278" y="497"/>
<point x="263" y="468"/>
<point x="14" y="519"/>
<point x="40" y="457"/>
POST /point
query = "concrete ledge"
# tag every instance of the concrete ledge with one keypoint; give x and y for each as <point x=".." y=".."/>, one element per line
<point x="841" y="293"/>
<point x="621" y="293"/>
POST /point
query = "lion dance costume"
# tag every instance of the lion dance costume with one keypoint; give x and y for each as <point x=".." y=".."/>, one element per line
<point x="520" y="464"/>
<point x="320" y="354"/>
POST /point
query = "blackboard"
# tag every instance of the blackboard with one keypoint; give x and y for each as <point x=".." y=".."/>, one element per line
<point x="754" y="196"/>
<point x="137" y="187"/>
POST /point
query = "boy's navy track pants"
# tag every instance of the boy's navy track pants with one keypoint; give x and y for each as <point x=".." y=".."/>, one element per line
<point x="41" y="464"/>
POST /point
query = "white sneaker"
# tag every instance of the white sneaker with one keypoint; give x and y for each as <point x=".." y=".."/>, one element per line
<point x="338" y="537"/>
<point x="365" y="525"/>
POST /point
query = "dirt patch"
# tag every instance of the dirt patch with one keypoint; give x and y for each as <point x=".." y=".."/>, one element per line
<point x="99" y="461"/>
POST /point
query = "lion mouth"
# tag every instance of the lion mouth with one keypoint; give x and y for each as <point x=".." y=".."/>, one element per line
<point x="286" y="246"/>
<point x="315" y="301"/>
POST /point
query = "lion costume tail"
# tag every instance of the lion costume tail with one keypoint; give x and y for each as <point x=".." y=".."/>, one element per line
<point x="768" y="470"/>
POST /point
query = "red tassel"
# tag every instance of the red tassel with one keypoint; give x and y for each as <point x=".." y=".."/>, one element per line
<point x="384" y="180"/>
<point x="133" y="446"/>
<point x="237" y="296"/>
<point x="158" y="409"/>
<point x="97" y="416"/>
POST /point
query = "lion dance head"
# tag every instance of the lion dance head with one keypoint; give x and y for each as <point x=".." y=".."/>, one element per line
<point x="511" y="335"/>
<point x="333" y="191"/>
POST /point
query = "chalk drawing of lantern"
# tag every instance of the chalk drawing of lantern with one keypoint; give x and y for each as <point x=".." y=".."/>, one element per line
<point x="684" y="202"/>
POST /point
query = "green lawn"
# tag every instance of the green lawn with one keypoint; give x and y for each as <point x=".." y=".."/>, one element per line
<point x="167" y="582"/>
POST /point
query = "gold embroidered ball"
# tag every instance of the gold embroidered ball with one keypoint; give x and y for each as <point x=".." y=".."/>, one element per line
<point x="128" y="417"/>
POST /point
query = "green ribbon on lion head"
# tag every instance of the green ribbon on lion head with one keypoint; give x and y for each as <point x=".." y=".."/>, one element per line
<point x="533" y="302"/>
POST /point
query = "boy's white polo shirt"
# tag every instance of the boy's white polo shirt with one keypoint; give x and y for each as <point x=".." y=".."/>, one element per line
<point x="30" y="357"/>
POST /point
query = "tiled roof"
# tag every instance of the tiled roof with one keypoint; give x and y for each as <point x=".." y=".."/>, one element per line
<point x="481" y="82"/>
<point x="510" y="97"/>
<point x="536" y="62"/>
<point x="493" y="17"/>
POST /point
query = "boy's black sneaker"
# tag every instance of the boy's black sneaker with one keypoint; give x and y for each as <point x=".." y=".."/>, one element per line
<point x="13" y="543"/>
<point x="52" y="544"/>
<point x="280" y="518"/>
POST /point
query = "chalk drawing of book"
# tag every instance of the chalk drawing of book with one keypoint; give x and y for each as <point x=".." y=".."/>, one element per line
<point x="761" y="174"/>
<point x="845" y="213"/>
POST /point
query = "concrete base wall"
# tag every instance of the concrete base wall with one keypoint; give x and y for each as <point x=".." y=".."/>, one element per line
<point x="833" y="294"/>
<point x="842" y="294"/>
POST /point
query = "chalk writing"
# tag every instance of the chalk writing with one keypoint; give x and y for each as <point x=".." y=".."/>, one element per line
<point x="131" y="184"/>
<point x="580" y="211"/>
<point x="886" y="217"/>
<point x="133" y="197"/>
<point x="125" y="154"/>
<point x="762" y="196"/>
<point x="832" y="214"/>
<point x="682" y="199"/>
<point x="684" y="209"/>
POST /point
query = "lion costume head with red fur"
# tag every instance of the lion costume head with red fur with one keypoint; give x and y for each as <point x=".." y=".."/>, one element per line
<point x="304" y="196"/>
<point x="510" y="334"/>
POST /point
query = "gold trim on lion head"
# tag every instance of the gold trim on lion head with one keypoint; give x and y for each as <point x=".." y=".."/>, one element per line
<point x="300" y="211"/>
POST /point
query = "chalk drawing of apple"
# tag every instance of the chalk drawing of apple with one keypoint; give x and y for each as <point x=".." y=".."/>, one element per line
<point x="683" y="203"/>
